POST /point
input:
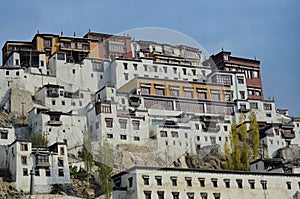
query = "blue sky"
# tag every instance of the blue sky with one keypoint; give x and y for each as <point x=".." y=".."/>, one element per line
<point x="268" y="30"/>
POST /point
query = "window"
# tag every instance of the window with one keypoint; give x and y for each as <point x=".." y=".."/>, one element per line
<point x="225" y="128"/>
<point x="62" y="151"/>
<point x="258" y="93"/>
<point x="175" y="195"/>
<point x="185" y="135"/>
<point x="174" y="134"/>
<point x="188" y="181"/>
<point x="217" y="195"/>
<point x="239" y="183"/>
<point x="197" y="126"/>
<point x="198" y="138"/>
<point x="212" y="139"/>
<point x="264" y="184"/>
<point x="184" y="71"/>
<point x="146" y="180"/>
<point x="202" y="95"/>
<point x="203" y="195"/>
<point x="155" y="68"/>
<point x="145" y="90"/>
<point x="134" y="66"/>
<point x="130" y="181"/>
<point x="73" y="71"/>
<point x="136" y="124"/>
<point x="158" y="180"/>
<point x="7" y="72"/>
<point x="145" y="67"/>
<point x="109" y="135"/>
<point x="60" y="56"/>
<point x="136" y="138"/>
<point x="268" y="115"/>
<point x="175" y="70"/>
<point x="289" y="185"/>
<point x="194" y="71"/>
<point x="123" y="137"/>
<point x="17" y="73"/>
<point x="42" y="63"/>
<point x="190" y="195"/>
<point x="47" y="43"/>
<point x="147" y="194"/>
<point x="109" y="122"/>
<point x="227" y="183"/>
<point x="255" y="74"/>
<point x="240" y="80"/>
<point x="97" y="125"/>
<point x="163" y="134"/>
<point x="214" y="182"/>
<point x="123" y="123"/>
<point x="60" y="162"/>
<point x="215" y="96"/>
<point x="202" y="182"/>
<point x="165" y="69"/>
<point x="252" y="184"/>
<point x="253" y="105"/>
<point x="160" y="91"/>
<point x="48" y="173"/>
<point x="160" y="194"/>
<point x="125" y="66"/>
<point x="126" y="76"/>
<point x="37" y="172"/>
<point x="174" y="181"/>
<point x="61" y="172"/>
<point x="4" y="135"/>
<point x="242" y="94"/>
<point x="25" y="172"/>
<point x="53" y="102"/>
<point x="24" y="147"/>
<point x="63" y="103"/>
<point x="24" y="160"/>
<point x="17" y="62"/>
<point x="267" y="106"/>
<point x="174" y="91"/>
<point x="188" y="94"/>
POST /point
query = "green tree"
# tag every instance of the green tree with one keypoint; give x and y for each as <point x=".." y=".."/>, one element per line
<point x="86" y="154"/>
<point x="105" y="175"/>
<point x="228" y="165"/>
<point x="245" y="157"/>
<point x="253" y="134"/>
<point x="235" y="147"/>
<point x="38" y="140"/>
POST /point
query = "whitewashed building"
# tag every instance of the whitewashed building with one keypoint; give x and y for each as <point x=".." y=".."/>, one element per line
<point x="175" y="183"/>
<point x="57" y="126"/>
<point x="37" y="167"/>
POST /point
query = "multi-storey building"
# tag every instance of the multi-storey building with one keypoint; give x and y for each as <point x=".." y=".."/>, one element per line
<point x="36" y="167"/>
<point x="151" y="182"/>
<point x="251" y="68"/>
<point x="57" y="126"/>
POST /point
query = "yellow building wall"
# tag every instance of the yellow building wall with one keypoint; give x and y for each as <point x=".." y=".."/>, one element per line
<point x="181" y="85"/>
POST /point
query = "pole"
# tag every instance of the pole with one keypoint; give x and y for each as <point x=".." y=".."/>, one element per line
<point x="31" y="182"/>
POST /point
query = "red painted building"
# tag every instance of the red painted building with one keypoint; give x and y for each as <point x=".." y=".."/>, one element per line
<point x="111" y="46"/>
<point x="251" y="67"/>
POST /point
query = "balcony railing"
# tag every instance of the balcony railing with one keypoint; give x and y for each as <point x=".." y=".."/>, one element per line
<point x="43" y="164"/>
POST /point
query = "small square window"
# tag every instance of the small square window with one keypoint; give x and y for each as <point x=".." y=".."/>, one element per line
<point x="24" y="160"/>
<point x="158" y="180"/>
<point x="48" y="173"/>
<point x="25" y="172"/>
<point x="289" y="185"/>
<point x="61" y="172"/>
<point x="123" y="137"/>
<point x="146" y="180"/>
<point x="136" y="138"/>
<point x="109" y="135"/>
<point x="174" y="181"/>
<point x="37" y="172"/>
<point x="202" y="182"/>
<point x="227" y="183"/>
<point x="24" y="147"/>
<point x="188" y="181"/>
